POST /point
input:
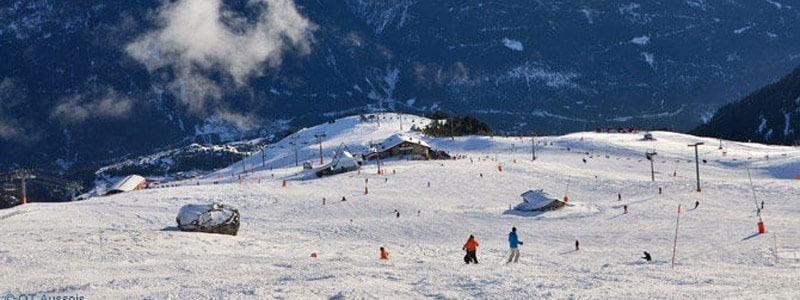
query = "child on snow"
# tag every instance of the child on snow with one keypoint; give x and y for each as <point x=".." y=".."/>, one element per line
<point x="471" y="247"/>
<point x="647" y="256"/>
<point x="384" y="254"/>
<point x="514" y="243"/>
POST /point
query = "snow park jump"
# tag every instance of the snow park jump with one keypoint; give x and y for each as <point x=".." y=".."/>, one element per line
<point x="289" y="244"/>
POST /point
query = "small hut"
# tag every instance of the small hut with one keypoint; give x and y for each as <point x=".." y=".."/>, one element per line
<point x="401" y="144"/>
<point x="127" y="184"/>
<point x="538" y="200"/>
<point x="343" y="161"/>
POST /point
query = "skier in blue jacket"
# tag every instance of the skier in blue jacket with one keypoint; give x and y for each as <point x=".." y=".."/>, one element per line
<point x="514" y="243"/>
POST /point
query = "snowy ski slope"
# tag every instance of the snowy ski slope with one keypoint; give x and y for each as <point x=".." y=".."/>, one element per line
<point x="126" y="246"/>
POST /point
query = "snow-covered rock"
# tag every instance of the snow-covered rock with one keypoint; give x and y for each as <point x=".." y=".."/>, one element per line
<point x="213" y="218"/>
<point x="7" y="201"/>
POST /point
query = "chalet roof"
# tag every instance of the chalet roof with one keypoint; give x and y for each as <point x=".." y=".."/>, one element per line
<point x="398" y="139"/>
<point x="343" y="159"/>
<point x="128" y="183"/>
<point x="536" y="199"/>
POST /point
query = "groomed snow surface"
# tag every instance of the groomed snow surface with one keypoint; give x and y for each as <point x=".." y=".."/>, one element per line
<point x="126" y="246"/>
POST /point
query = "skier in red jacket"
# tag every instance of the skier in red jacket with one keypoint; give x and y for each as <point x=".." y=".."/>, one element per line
<point x="471" y="247"/>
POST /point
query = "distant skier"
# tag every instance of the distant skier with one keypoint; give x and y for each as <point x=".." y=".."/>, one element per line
<point x="619" y="197"/>
<point x="384" y="254"/>
<point x="647" y="256"/>
<point x="429" y="184"/>
<point x="762" y="204"/>
<point x="471" y="247"/>
<point x="659" y="190"/>
<point x="625" y="207"/>
<point x="514" y="244"/>
<point x="386" y="179"/>
<point x="696" y="204"/>
<point x="577" y="245"/>
<point x="584" y="161"/>
<point x="323" y="200"/>
<point x="419" y="212"/>
<point x="344" y="199"/>
<point x="398" y="213"/>
<point x="481" y="175"/>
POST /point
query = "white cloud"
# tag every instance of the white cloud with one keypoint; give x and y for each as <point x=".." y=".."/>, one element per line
<point x="78" y="108"/>
<point x="9" y="130"/>
<point x="197" y="39"/>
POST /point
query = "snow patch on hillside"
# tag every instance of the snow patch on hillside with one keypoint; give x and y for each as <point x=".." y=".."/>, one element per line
<point x="743" y="29"/>
<point x="787" y="129"/>
<point x="641" y="40"/>
<point x="762" y="125"/>
<point x="632" y="12"/>
<point x="381" y="15"/>
<point x="533" y="73"/>
<point x="513" y="44"/>
<point x="777" y="5"/>
<point x="383" y="90"/>
<point x="649" y="58"/>
<point x="698" y="4"/>
<point x="588" y="14"/>
<point x="706" y="116"/>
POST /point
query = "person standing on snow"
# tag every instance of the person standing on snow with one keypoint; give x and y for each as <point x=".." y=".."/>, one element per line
<point x="471" y="247"/>
<point x="514" y="243"/>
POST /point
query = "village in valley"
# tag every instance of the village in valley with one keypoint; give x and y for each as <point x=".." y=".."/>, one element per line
<point x="372" y="206"/>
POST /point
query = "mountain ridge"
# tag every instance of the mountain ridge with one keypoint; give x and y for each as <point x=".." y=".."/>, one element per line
<point x="73" y="94"/>
<point x="770" y="114"/>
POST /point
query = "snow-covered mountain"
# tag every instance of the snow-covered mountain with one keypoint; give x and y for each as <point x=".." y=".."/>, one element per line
<point x="86" y="81"/>
<point x="126" y="245"/>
